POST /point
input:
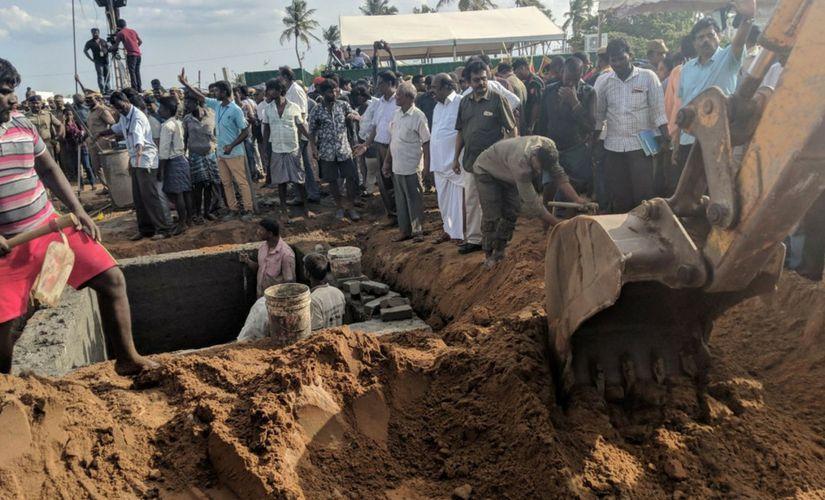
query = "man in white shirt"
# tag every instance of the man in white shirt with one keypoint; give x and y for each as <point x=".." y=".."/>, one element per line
<point x="151" y="205"/>
<point x="409" y="144"/>
<point x="295" y="93"/>
<point x="379" y="134"/>
<point x="282" y="122"/>
<point x="328" y="304"/>
<point x="368" y="163"/>
<point x="632" y="101"/>
<point x="449" y="186"/>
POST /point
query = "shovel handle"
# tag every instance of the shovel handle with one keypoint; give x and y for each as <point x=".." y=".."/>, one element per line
<point x="54" y="225"/>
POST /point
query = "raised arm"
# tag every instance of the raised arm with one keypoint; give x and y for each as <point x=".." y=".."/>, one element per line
<point x="393" y="64"/>
<point x="747" y="9"/>
<point x="183" y="81"/>
<point x="77" y="79"/>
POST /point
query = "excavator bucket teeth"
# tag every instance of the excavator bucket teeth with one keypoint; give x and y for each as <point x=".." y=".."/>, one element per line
<point x="641" y="340"/>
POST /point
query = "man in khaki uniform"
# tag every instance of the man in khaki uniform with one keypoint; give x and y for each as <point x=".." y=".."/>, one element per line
<point x="504" y="174"/>
<point x="99" y="120"/>
<point x="505" y="70"/>
<point x="48" y="126"/>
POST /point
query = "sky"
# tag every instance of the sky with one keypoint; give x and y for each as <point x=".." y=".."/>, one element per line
<point x="205" y="35"/>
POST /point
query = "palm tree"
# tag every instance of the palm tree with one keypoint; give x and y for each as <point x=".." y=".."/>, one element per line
<point x="378" y="8"/>
<point x="424" y="9"/>
<point x="464" y="5"/>
<point x="535" y="3"/>
<point x="580" y="11"/>
<point x="299" y="25"/>
<point x="332" y="35"/>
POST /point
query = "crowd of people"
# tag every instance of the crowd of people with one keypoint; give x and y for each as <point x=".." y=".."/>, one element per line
<point x="488" y="140"/>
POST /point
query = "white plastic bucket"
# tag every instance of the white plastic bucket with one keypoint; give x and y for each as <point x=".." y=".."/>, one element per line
<point x="345" y="262"/>
<point x="288" y="306"/>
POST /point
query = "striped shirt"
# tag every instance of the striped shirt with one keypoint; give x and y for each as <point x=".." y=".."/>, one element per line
<point x="24" y="204"/>
<point x="630" y="106"/>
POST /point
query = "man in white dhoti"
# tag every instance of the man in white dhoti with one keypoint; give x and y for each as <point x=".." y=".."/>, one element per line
<point x="448" y="184"/>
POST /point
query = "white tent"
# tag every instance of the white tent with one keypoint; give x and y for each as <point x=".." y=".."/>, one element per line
<point x="448" y="34"/>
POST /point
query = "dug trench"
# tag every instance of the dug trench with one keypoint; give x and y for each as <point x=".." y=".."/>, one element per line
<point x="466" y="411"/>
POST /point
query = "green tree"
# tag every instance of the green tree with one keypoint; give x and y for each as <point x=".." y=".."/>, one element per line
<point x="424" y="9"/>
<point x="299" y="25"/>
<point x="581" y="11"/>
<point x="378" y="8"/>
<point x="535" y="3"/>
<point x="638" y="30"/>
<point x="332" y="35"/>
<point x="465" y="5"/>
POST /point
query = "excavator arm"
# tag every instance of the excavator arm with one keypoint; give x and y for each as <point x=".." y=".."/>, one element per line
<point x="630" y="298"/>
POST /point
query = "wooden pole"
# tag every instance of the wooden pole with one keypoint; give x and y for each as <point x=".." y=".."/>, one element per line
<point x="74" y="45"/>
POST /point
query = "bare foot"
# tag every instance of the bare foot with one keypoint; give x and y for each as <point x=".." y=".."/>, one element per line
<point x="135" y="366"/>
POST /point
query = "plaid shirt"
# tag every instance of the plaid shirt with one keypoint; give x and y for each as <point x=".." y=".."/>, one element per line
<point x="629" y="106"/>
<point x="329" y="127"/>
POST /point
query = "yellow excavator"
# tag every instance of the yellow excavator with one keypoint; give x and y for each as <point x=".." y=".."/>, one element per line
<point x="631" y="298"/>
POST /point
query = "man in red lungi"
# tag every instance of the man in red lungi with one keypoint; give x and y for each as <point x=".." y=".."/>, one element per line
<point x="26" y="170"/>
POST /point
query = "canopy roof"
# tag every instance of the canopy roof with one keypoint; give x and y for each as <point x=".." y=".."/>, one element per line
<point x="442" y="34"/>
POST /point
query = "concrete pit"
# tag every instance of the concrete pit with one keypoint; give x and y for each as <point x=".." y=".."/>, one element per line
<point x="180" y="301"/>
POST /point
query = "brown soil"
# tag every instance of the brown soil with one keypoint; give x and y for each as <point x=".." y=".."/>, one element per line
<point x="468" y="408"/>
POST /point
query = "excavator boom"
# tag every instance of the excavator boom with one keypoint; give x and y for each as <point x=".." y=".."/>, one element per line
<point x="630" y="298"/>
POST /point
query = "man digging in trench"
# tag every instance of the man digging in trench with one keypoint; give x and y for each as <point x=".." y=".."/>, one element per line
<point x="504" y="173"/>
<point x="26" y="170"/>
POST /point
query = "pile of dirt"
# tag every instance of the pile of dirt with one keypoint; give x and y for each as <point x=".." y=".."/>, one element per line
<point x="780" y="340"/>
<point x="61" y="441"/>
<point x="467" y="411"/>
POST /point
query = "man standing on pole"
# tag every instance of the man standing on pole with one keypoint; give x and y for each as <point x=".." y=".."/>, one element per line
<point x="97" y="50"/>
<point x="131" y="42"/>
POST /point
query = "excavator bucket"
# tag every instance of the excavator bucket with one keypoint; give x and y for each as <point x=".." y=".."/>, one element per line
<point x="646" y="258"/>
<point x="626" y="311"/>
<point x="631" y="298"/>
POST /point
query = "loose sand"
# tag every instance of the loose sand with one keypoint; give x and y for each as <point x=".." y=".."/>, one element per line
<point x="468" y="408"/>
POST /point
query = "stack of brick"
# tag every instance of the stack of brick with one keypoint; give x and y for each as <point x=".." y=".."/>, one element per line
<point x="367" y="299"/>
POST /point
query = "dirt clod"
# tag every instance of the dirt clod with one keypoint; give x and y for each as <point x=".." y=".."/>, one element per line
<point x="675" y="470"/>
<point x="463" y="492"/>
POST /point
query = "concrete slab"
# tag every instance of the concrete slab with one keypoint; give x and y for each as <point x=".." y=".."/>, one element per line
<point x="396" y="313"/>
<point x="374" y="288"/>
<point x="378" y="327"/>
<point x="352" y="287"/>
<point x="373" y="306"/>
<point x="58" y="340"/>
